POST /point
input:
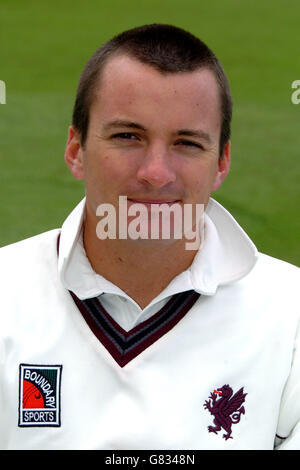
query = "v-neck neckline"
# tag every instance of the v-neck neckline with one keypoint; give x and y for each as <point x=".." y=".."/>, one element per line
<point x="124" y="345"/>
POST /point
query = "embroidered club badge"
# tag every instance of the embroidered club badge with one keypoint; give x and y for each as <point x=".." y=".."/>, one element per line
<point x="39" y="395"/>
<point x="226" y="409"/>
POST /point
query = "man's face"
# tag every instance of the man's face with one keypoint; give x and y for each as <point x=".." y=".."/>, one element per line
<point x="152" y="137"/>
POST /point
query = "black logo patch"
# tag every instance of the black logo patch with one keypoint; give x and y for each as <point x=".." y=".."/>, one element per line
<point x="39" y="395"/>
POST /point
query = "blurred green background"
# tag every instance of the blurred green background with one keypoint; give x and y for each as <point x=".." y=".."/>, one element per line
<point x="43" y="48"/>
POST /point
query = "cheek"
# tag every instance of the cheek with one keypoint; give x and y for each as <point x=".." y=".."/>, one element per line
<point x="107" y="170"/>
<point x="117" y="171"/>
<point x="201" y="180"/>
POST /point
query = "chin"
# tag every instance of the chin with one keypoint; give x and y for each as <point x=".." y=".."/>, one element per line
<point x="153" y="243"/>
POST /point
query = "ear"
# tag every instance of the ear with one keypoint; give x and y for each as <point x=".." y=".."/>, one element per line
<point x="73" y="154"/>
<point x="223" y="167"/>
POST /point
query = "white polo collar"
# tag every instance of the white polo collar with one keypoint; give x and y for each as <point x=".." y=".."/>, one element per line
<point x="226" y="256"/>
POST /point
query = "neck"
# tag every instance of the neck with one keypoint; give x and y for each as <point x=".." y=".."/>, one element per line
<point x="142" y="269"/>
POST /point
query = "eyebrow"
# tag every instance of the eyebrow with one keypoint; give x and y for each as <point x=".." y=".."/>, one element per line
<point x="119" y="123"/>
<point x="193" y="133"/>
<point x="133" y="125"/>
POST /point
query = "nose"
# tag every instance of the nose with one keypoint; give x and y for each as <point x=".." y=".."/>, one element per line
<point x="156" y="168"/>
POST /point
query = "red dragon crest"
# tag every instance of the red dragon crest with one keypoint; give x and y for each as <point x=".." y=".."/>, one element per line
<point x="226" y="409"/>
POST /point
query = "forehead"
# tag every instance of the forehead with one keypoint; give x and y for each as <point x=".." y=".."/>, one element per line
<point x="139" y="91"/>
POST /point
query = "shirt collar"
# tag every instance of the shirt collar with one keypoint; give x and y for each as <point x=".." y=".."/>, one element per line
<point x="226" y="255"/>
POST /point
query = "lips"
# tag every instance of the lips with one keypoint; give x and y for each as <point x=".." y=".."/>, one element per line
<point x="153" y="201"/>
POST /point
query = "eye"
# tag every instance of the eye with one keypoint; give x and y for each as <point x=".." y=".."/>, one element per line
<point x="189" y="143"/>
<point x="125" y="136"/>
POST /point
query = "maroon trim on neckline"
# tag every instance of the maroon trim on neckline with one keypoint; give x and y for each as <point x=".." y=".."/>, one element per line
<point x="124" y="345"/>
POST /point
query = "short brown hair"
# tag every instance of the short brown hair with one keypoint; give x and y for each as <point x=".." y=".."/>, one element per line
<point x="168" y="49"/>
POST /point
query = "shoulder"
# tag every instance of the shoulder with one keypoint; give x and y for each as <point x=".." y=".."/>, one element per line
<point x="276" y="268"/>
<point x="275" y="281"/>
<point x="33" y="243"/>
<point x="21" y="257"/>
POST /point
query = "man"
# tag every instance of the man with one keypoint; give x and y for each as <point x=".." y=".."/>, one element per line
<point x="125" y="342"/>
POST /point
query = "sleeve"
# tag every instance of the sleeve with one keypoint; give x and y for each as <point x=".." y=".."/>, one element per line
<point x="2" y="404"/>
<point x="288" y="429"/>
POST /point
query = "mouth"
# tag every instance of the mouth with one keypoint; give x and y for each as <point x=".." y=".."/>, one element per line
<point x="149" y="202"/>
